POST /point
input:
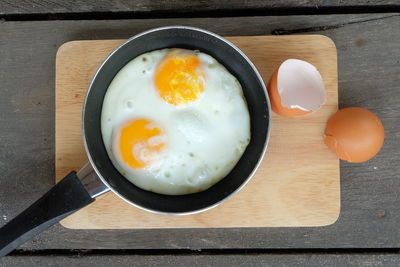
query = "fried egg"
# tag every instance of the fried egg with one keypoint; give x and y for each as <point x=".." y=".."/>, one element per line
<point x="174" y="121"/>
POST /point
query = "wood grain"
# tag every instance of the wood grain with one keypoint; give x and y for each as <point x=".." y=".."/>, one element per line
<point x="368" y="61"/>
<point x="89" y="8"/>
<point x="296" y="185"/>
<point x="221" y="260"/>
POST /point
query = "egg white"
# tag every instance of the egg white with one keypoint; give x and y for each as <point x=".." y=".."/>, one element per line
<point x="204" y="139"/>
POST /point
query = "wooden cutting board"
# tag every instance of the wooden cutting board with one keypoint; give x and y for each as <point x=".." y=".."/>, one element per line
<point x="297" y="184"/>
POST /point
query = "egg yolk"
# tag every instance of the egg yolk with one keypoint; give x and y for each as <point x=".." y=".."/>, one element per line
<point x="178" y="79"/>
<point x="141" y="142"/>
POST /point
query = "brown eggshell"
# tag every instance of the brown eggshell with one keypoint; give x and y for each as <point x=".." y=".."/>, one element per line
<point x="275" y="100"/>
<point x="354" y="134"/>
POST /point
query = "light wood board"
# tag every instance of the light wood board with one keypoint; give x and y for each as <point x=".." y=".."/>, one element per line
<point x="297" y="184"/>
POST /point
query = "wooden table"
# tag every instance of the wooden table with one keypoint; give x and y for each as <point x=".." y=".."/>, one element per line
<point x="368" y="43"/>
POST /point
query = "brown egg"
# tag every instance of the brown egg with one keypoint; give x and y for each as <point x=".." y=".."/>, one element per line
<point x="296" y="88"/>
<point x="354" y="134"/>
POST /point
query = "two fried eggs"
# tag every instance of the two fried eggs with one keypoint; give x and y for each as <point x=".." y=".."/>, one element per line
<point x="175" y="121"/>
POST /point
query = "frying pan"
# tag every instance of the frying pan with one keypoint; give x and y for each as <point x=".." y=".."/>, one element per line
<point x="79" y="189"/>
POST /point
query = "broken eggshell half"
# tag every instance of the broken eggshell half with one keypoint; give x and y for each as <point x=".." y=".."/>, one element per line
<point x="296" y="88"/>
<point x="354" y="134"/>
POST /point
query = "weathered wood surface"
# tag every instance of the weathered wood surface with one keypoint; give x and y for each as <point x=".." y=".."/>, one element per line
<point x="293" y="259"/>
<point x="13" y="8"/>
<point x="368" y="52"/>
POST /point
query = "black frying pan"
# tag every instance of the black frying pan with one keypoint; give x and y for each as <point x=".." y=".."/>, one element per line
<point x="77" y="190"/>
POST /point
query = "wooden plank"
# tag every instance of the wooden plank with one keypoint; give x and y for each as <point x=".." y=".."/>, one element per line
<point x="293" y="259"/>
<point x="179" y="7"/>
<point x="368" y="56"/>
<point x="283" y="192"/>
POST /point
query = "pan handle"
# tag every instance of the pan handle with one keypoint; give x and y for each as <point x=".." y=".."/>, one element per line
<point x="72" y="193"/>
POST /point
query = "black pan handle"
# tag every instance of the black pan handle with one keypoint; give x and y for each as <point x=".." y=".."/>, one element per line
<point x="66" y="197"/>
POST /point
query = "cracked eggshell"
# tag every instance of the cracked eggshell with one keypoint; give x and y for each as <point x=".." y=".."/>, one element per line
<point x="296" y="88"/>
<point x="354" y="134"/>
